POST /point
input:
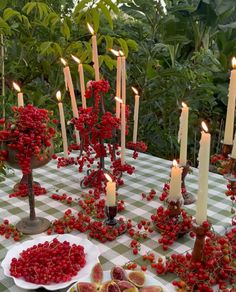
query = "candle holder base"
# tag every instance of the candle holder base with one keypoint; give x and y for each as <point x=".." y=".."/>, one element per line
<point x="112" y="222"/>
<point x="226" y="149"/>
<point x="188" y="198"/>
<point x="31" y="227"/>
<point x="198" y="249"/>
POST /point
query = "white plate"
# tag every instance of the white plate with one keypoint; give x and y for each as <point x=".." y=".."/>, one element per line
<point x="91" y="251"/>
<point x="106" y="276"/>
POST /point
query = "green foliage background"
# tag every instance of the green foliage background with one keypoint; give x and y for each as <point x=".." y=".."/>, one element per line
<point x="181" y="54"/>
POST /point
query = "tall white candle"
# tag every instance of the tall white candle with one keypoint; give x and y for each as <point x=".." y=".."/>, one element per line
<point x="118" y="81"/>
<point x="81" y="79"/>
<point x="20" y="99"/>
<point x="69" y="85"/>
<point x="175" y="183"/>
<point x="123" y="128"/>
<point x="136" y="112"/>
<point x="123" y="77"/>
<point x="183" y="134"/>
<point x="229" y="124"/>
<point x="94" y="53"/>
<point x="203" y="157"/>
<point x="233" y="154"/>
<point x="110" y="192"/>
<point x="63" y="124"/>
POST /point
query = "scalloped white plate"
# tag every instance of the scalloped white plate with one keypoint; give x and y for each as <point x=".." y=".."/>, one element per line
<point x="106" y="277"/>
<point x="91" y="251"/>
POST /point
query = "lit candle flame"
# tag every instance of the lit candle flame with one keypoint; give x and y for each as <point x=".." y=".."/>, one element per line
<point x="58" y="95"/>
<point x="204" y="127"/>
<point x="108" y="177"/>
<point x="77" y="60"/>
<point x="16" y="86"/>
<point x="114" y="52"/>
<point x="121" y="53"/>
<point x="234" y="63"/>
<point x="184" y="104"/>
<point x="63" y="61"/>
<point x="90" y="28"/>
<point x="118" y="99"/>
<point x="134" y="90"/>
<point x="175" y="164"/>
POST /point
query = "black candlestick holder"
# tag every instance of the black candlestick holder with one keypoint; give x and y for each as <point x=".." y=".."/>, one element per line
<point x="111" y="212"/>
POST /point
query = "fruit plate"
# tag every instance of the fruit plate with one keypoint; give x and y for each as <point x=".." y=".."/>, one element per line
<point x="106" y="277"/>
<point x="91" y="251"/>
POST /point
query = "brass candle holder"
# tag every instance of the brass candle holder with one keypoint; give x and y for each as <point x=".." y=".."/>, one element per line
<point x="188" y="197"/>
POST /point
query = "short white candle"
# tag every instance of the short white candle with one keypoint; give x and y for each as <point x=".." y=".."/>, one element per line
<point x="204" y="158"/>
<point x="94" y="53"/>
<point x="175" y="183"/>
<point x="183" y="134"/>
<point x="229" y="124"/>
<point x="69" y="85"/>
<point x="63" y="124"/>
<point x="110" y="192"/>
<point x="20" y="99"/>
<point x="136" y="112"/>
<point x="81" y="79"/>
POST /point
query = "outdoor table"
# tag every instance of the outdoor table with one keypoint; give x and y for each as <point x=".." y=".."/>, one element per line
<point x="151" y="172"/>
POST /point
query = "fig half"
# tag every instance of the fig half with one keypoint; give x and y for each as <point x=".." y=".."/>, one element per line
<point x="97" y="274"/>
<point x="137" y="278"/>
<point x="118" y="273"/>
<point x="86" y="287"/>
<point x="151" y="289"/>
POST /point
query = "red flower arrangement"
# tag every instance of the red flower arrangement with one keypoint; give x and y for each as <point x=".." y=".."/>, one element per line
<point x="97" y="127"/>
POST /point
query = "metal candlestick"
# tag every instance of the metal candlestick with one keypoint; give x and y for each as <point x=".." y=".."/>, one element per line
<point x="175" y="208"/>
<point x="32" y="224"/>
<point x="188" y="197"/>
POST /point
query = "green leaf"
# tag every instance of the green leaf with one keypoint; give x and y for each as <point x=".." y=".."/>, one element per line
<point x="3" y="24"/>
<point x="106" y="13"/>
<point x="88" y="68"/>
<point x="132" y="44"/>
<point x="25" y="21"/>
<point x="95" y="18"/>
<point x="80" y="6"/>
<point x="9" y="13"/>
<point x="44" y="47"/>
<point x="29" y="7"/>
<point x="109" y="42"/>
<point x="112" y="6"/>
<point x="110" y="63"/>
<point x="124" y="46"/>
<point x="65" y="30"/>
<point x="229" y="25"/>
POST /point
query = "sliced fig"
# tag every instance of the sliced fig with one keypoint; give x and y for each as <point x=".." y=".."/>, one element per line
<point x="133" y="289"/>
<point x="97" y="274"/>
<point x="113" y="287"/>
<point x="86" y="287"/>
<point x="124" y="285"/>
<point x="118" y="273"/>
<point x="104" y="285"/>
<point x="152" y="288"/>
<point x="137" y="278"/>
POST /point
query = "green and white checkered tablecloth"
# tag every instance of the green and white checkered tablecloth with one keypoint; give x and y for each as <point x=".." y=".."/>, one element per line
<point x="151" y="172"/>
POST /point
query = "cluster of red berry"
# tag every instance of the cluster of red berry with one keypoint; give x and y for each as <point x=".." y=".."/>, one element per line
<point x="9" y="230"/>
<point x="171" y="227"/>
<point x="28" y="134"/>
<point x="221" y="162"/>
<point x="231" y="192"/>
<point x="23" y="191"/>
<point x="150" y="196"/>
<point x="138" y="232"/>
<point x="62" y="198"/>
<point x="218" y="266"/>
<point x="139" y="146"/>
<point x="43" y="264"/>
